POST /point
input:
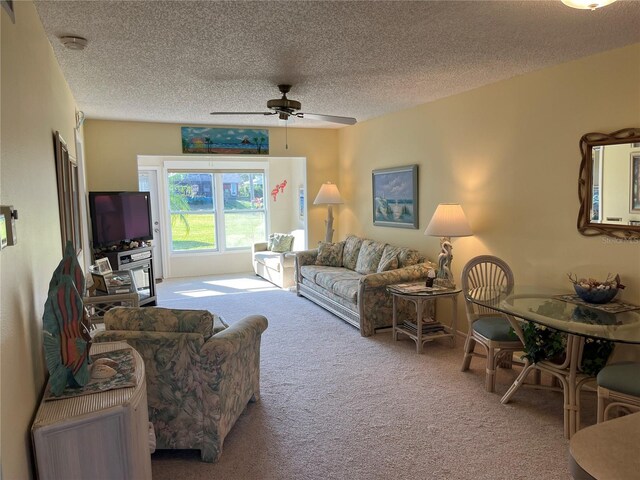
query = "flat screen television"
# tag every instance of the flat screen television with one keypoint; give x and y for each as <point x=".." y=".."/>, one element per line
<point x="120" y="217"/>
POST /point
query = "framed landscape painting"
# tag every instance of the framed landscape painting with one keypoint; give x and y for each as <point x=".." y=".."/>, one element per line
<point x="395" y="197"/>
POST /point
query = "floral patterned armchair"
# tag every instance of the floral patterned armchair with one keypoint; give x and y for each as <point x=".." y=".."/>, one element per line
<point x="200" y="372"/>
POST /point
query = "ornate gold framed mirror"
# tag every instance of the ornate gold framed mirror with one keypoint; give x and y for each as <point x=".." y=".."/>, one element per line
<point x="609" y="184"/>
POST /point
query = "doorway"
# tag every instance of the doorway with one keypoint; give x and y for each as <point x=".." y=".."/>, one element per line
<point x="148" y="182"/>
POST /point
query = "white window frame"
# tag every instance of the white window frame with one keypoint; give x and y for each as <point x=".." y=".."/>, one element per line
<point x="217" y="168"/>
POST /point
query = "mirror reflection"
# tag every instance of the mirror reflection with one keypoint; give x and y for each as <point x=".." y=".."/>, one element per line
<point x="609" y="184"/>
<point x="616" y="184"/>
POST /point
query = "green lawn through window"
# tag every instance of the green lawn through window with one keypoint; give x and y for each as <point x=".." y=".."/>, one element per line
<point x="242" y="230"/>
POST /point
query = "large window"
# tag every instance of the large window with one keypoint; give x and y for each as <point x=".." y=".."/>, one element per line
<point x="197" y="223"/>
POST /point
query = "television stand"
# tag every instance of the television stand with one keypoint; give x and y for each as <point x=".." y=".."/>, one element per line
<point x="139" y="261"/>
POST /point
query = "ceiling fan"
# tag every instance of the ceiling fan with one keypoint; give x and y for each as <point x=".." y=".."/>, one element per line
<point x="286" y="108"/>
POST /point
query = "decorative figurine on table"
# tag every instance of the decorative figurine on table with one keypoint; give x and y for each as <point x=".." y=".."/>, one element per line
<point x="66" y="326"/>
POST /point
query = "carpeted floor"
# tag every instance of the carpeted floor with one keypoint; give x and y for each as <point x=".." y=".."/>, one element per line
<point x="336" y="405"/>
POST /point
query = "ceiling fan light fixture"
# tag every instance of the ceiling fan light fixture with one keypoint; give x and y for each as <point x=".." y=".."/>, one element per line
<point x="73" y="42"/>
<point x="288" y="110"/>
<point x="587" y="4"/>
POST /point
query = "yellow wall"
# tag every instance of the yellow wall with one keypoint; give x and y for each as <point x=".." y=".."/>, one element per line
<point x="508" y="152"/>
<point x="111" y="150"/>
<point x="36" y="101"/>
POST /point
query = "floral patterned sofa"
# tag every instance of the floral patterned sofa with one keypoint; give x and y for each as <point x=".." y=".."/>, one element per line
<point x="350" y="279"/>
<point x="200" y="373"/>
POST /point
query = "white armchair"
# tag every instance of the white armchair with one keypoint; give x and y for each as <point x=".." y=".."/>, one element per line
<point x="277" y="267"/>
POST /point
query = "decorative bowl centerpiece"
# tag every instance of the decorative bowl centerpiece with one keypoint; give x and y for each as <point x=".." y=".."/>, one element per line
<point x="593" y="291"/>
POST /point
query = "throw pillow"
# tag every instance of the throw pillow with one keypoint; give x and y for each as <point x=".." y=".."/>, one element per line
<point x="408" y="257"/>
<point x="369" y="257"/>
<point x="330" y="254"/>
<point x="389" y="259"/>
<point x="280" y="242"/>
<point x="351" y="251"/>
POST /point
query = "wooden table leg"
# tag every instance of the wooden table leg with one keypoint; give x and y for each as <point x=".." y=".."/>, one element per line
<point x="419" y="323"/>
<point x="395" y="318"/>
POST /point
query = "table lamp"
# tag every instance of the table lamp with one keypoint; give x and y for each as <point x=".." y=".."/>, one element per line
<point x="328" y="195"/>
<point x="448" y="221"/>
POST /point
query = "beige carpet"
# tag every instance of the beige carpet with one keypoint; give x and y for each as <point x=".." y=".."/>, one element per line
<point x="336" y="405"/>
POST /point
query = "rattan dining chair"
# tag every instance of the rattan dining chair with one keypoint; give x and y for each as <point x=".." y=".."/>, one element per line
<point x="487" y="327"/>
<point x="618" y="386"/>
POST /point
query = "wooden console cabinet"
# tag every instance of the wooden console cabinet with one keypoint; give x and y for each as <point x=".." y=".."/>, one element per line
<point x="101" y="435"/>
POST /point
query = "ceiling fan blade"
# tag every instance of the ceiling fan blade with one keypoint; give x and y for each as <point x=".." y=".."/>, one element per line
<point x="328" y="118"/>
<point x="242" y="113"/>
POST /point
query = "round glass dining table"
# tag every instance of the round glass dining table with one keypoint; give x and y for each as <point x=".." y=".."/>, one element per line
<point x="615" y="321"/>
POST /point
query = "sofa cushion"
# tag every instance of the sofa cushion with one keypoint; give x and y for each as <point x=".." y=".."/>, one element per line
<point x="351" y="251"/>
<point x="280" y="242"/>
<point x="330" y="254"/>
<point x="408" y="257"/>
<point x="310" y="272"/>
<point x="389" y="259"/>
<point x="369" y="257"/>
<point x="346" y="288"/>
<point x="274" y="260"/>
<point x="328" y="278"/>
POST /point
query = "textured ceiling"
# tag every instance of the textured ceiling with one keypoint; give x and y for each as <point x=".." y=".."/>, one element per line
<point x="174" y="61"/>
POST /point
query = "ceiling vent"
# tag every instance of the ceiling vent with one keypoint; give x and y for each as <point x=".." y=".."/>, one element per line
<point x="73" y="42"/>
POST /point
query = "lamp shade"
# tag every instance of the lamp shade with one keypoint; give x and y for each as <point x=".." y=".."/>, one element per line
<point x="328" y="194"/>
<point x="587" y="4"/>
<point x="449" y="220"/>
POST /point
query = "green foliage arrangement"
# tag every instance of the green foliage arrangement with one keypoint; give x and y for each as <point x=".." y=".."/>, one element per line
<point x="543" y="343"/>
<point x="595" y="355"/>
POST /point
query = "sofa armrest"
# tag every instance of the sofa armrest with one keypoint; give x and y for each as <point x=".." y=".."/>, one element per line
<point x="234" y="338"/>
<point x="258" y="247"/>
<point x="230" y="368"/>
<point x="399" y="275"/>
<point x="304" y="257"/>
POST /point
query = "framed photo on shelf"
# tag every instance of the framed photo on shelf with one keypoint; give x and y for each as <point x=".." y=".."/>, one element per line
<point x="99" y="282"/>
<point x="395" y="197"/>
<point x="103" y="266"/>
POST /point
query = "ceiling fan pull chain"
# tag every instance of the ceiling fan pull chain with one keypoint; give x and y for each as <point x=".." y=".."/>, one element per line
<point x="286" y="134"/>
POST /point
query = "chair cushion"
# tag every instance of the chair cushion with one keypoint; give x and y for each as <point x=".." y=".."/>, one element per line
<point x="621" y="377"/>
<point x="497" y="329"/>
<point x="330" y="254"/>
<point x="274" y="260"/>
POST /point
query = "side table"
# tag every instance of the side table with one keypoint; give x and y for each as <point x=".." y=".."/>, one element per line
<point x="101" y="435"/>
<point x="429" y="330"/>
<point x="97" y="305"/>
